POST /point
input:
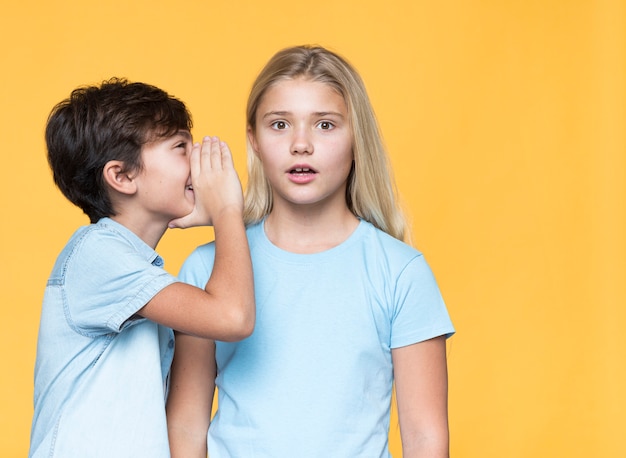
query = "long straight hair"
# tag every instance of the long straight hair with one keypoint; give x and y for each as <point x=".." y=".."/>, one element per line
<point x="370" y="192"/>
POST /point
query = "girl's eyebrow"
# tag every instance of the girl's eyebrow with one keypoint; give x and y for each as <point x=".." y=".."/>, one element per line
<point x="328" y="113"/>
<point x="317" y="114"/>
<point x="275" y="113"/>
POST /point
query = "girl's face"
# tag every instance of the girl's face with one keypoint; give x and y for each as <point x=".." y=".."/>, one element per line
<point x="304" y="141"/>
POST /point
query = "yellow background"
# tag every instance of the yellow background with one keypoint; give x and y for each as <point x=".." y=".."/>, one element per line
<point x="505" y="121"/>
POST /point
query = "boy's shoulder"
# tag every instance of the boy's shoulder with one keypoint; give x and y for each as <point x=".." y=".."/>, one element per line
<point x="96" y="237"/>
<point x="107" y="274"/>
<point x="103" y="243"/>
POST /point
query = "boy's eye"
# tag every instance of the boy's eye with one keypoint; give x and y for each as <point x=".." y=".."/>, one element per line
<point x="279" y="125"/>
<point x="183" y="148"/>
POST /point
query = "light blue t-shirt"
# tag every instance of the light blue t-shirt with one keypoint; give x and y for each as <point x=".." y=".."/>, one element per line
<point x="315" y="377"/>
<point x="100" y="371"/>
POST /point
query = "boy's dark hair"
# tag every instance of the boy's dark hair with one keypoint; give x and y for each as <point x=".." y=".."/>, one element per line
<point x="97" y="124"/>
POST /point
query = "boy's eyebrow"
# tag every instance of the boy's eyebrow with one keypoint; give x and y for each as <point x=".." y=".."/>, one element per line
<point x="184" y="133"/>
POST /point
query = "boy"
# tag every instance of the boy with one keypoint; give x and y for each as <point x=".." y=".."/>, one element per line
<point x="123" y="153"/>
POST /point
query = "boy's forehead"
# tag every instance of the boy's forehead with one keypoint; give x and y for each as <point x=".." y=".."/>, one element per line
<point x="160" y="136"/>
<point x="184" y="133"/>
<point x="165" y="137"/>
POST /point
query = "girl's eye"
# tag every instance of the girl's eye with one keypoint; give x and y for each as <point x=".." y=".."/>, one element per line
<point x="279" y="125"/>
<point x="326" y="125"/>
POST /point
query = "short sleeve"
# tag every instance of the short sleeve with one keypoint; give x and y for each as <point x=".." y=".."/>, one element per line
<point x="198" y="266"/>
<point x="107" y="281"/>
<point x="419" y="310"/>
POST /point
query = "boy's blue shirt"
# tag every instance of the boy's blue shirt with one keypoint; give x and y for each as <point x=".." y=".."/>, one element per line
<point x="101" y="370"/>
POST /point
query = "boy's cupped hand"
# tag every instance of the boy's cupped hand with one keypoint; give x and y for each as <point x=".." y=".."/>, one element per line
<point x="216" y="185"/>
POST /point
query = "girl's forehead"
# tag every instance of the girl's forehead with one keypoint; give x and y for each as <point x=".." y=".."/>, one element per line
<point x="302" y="92"/>
<point x="301" y="82"/>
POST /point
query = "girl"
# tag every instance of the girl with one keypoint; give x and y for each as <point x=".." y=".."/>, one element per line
<point x="344" y="307"/>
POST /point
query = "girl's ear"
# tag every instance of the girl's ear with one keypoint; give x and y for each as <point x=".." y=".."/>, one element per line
<point x="118" y="179"/>
<point x="252" y="140"/>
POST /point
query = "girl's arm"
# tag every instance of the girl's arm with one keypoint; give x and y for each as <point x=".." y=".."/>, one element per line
<point x="190" y="399"/>
<point x="421" y="378"/>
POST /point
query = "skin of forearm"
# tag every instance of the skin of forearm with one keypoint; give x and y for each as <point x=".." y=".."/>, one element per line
<point x="232" y="279"/>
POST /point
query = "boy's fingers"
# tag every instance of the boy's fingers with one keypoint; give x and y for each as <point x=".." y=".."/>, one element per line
<point x="194" y="156"/>
<point x="207" y="146"/>
<point x="216" y="154"/>
<point x="227" y="157"/>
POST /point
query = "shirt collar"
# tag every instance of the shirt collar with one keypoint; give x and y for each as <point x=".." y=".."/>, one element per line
<point x="142" y="247"/>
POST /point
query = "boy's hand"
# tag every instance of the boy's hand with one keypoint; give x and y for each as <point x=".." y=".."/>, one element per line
<point x="215" y="182"/>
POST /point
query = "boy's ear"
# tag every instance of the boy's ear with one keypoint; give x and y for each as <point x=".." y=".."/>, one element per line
<point x="118" y="178"/>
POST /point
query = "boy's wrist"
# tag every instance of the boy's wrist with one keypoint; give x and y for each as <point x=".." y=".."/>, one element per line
<point x="228" y="214"/>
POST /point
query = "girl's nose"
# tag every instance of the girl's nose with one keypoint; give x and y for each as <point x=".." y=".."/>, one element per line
<point x="301" y="143"/>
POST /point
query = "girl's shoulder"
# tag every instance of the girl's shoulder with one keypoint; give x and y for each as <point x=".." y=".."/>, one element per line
<point x="379" y="238"/>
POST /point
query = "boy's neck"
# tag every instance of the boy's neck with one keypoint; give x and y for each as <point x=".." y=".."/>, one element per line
<point x="150" y="232"/>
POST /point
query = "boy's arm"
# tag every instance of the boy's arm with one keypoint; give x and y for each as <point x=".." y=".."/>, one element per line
<point x="190" y="399"/>
<point x="225" y="309"/>
<point x="421" y="378"/>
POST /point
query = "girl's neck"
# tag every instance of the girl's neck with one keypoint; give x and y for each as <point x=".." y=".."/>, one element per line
<point x="307" y="232"/>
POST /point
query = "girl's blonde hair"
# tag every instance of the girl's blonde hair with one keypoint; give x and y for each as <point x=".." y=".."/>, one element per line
<point x="370" y="193"/>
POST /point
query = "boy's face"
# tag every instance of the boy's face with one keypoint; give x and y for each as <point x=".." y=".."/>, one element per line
<point x="164" y="183"/>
